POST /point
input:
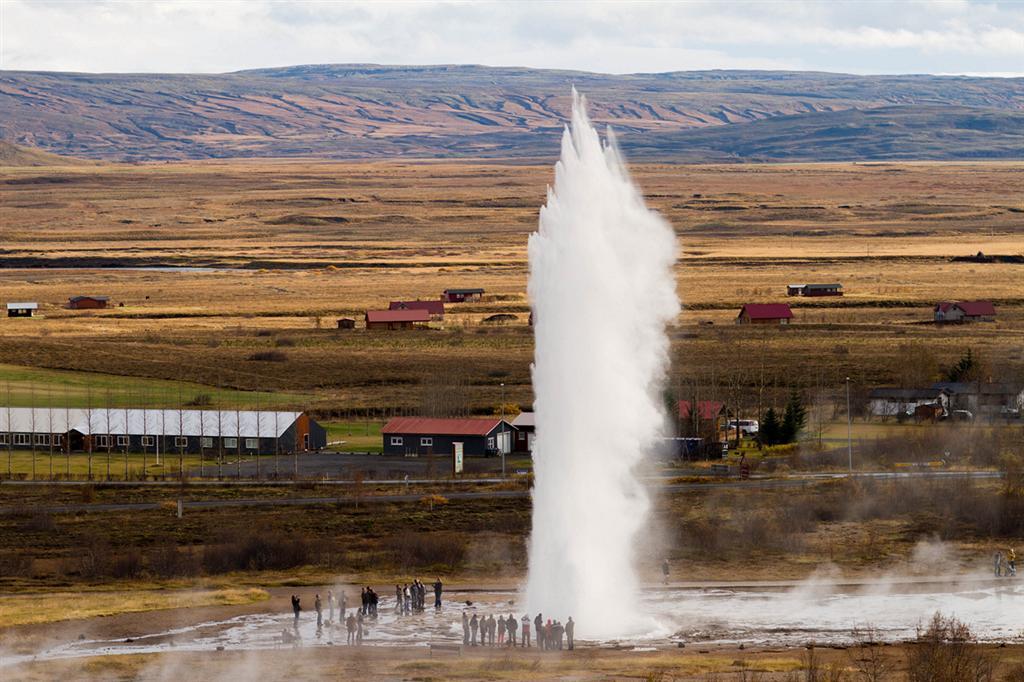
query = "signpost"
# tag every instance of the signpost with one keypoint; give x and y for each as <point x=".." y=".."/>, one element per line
<point x="457" y="459"/>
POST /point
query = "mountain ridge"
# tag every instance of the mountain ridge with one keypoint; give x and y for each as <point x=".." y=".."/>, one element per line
<point x="359" y="111"/>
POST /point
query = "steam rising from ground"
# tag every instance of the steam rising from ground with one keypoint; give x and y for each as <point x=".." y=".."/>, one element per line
<point x="602" y="290"/>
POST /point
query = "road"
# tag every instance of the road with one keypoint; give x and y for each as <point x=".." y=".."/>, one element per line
<point x="351" y="500"/>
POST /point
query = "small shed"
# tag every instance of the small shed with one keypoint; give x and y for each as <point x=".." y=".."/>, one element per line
<point x="525" y="432"/>
<point x="765" y="313"/>
<point x="22" y="309"/>
<point x="424" y="436"/>
<point x="88" y="302"/>
<point x="834" y="289"/>
<point x="396" y="319"/>
<point x="462" y="295"/>
<point x="346" y="323"/>
<point x="435" y="308"/>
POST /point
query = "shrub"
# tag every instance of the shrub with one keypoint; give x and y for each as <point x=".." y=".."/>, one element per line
<point x="256" y="551"/>
<point x="268" y="356"/>
<point x="284" y="342"/>
<point x="412" y="550"/>
<point x="946" y="651"/>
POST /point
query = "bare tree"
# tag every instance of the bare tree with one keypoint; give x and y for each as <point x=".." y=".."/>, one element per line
<point x="49" y="414"/>
<point x="32" y="417"/>
<point x="238" y="442"/>
<point x="67" y="433"/>
<point x="106" y="412"/>
<point x="10" y="435"/>
<point x="258" y="434"/>
<point x="220" y="443"/>
<point x="181" y="439"/>
<point x="89" y="438"/>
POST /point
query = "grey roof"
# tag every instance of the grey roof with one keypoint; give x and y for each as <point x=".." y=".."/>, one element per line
<point x="245" y="423"/>
<point x="524" y="419"/>
<point x="835" y="285"/>
<point x="29" y="305"/>
<point x="906" y="393"/>
<point x="464" y="291"/>
<point x="972" y="387"/>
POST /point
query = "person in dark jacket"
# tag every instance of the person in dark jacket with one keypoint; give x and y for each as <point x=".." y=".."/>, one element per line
<point x="465" y="628"/>
<point x="296" y="607"/>
<point x="318" y="605"/>
<point x="570" y="627"/>
<point x="538" y="629"/>
<point x="474" y="625"/>
<point x="437" y="594"/>
<point x="513" y="626"/>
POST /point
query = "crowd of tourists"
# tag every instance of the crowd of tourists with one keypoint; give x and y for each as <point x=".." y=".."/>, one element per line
<point x="508" y="631"/>
<point x="1005" y="563"/>
<point x="413" y="598"/>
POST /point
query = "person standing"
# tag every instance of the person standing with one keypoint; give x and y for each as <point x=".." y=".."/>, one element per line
<point x="359" y="629"/>
<point x="513" y="626"/>
<point x="350" y="625"/>
<point x="664" y="571"/>
<point x="330" y="607"/>
<point x="538" y="624"/>
<point x="502" y="630"/>
<point x="437" y="594"/>
<point x="363" y="601"/>
<point x="570" y="628"/>
<point x="465" y="628"/>
<point x="398" y="599"/>
<point x="318" y="605"/>
<point x="1011" y="561"/>
<point x="296" y="607"/>
<point x="342" y="604"/>
<point x="474" y="625"/>
<point x="558" y="630"/>
<point x="526" y="631"/>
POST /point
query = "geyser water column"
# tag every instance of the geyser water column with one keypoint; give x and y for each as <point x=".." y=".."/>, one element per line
<point x="602" y="291"/>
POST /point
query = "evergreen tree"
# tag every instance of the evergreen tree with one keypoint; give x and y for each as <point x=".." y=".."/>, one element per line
<point x="771" y="428"/>
<point x="793" y="419"/>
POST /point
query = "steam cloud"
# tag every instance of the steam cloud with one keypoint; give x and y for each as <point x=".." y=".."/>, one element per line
<point x="602" y="291"/>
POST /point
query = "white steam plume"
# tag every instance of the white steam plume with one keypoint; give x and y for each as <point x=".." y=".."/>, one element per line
<point x="602" y="290"/>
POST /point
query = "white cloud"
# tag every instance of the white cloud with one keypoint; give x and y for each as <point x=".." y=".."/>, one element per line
<point x="619" y="37"/>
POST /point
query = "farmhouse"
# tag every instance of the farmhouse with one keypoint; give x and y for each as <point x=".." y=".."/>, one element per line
<point x="524" y="434"/>
<point x="765" y="313"/>
<point x="705" y="422"/>
<point x="461" y="295"/>
<point x="424" y="436"/>
<point x="435" y="308"/>
<point x="88" y="302"/>
<point x="984" y="399"/>
<point x="144" y="430"/>
<point x="965" y="311"/>
<point x="22" y="309"/>
<point x="396" y="319"/>
<point x="903" y="402"/>
<point x="835" y="289"/>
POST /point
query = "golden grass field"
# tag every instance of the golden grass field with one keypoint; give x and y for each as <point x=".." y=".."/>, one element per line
<point x="291" y="246"/>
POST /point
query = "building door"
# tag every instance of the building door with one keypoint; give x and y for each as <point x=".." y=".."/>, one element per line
<point x="305" y="441"/>
<point x="505" y="441"/>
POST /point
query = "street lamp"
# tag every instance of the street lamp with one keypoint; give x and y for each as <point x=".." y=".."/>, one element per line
<point x="501" y="435"/>
<point x="849" y="427"/>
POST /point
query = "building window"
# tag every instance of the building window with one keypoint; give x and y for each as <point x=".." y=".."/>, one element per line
<point x="207" y="442"/>
<point x="42" y="439"/>
<point x="396" y="440"/>
<point x="426" y="442"/>
<point x="3" y="438"/>
<point x="490" y="443"/>
<point x="57" y="438"/>
<point x="102" y="441"/>
<point x="181" y="441"/>
<point x="22" y="439"/>
<point x="231" y="442"/>
<point x="122" y="441"/>
<point x="252" y="443"/>
<point x="148" y="441"/>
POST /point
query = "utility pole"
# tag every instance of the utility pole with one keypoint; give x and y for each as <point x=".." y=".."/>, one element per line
<point x="501" y="436"/>
<point x="849" y="427"/>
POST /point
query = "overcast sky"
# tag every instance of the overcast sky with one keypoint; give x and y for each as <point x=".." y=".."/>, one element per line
<point x="615" y="37"/>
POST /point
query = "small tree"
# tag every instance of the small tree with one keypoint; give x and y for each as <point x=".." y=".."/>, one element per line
<point x="770" y="431"/>
<point x="793" y="419"/>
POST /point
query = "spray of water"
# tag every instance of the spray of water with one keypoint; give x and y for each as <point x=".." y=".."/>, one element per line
<point x="602" y="290"/>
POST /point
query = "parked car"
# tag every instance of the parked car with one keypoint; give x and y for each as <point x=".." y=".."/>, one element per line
<point x="748" y="427"/>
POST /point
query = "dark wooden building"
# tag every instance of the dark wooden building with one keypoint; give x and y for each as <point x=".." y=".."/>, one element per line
<point x="22" y="309"/>
<point x="522" y="437"/>
<point x="396" y="319"/>
<point x="346" y="323"/>
<point x="88" y="302"/>
<point x="425" y="435"/>
<point x="462" y="295"/>
<point x="834" y="289"/>
<point x="157" y="431"/>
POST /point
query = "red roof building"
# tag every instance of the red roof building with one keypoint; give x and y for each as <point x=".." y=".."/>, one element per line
<point x="396" y="319"/>
<point x="965" y="311"/>
<point x="706" y="409"/>
<point x="435" y="308"/>
<point x="427" y="435"/>
<point x="765" y="313"/>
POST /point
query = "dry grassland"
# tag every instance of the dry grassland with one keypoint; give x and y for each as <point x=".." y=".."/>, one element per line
<point x="291" y="246"/>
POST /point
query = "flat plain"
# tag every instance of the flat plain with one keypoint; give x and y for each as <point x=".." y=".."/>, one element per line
<point x="215" y="262"/>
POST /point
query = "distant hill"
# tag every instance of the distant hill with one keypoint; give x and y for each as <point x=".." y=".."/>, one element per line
<point x="14" y="155"/>
<point x="366" y="111"/>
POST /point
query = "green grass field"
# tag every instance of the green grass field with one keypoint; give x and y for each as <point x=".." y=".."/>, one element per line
<point x="31" y="386"/>
<point x="356" y="436"/>
<point x="19" y="463"/>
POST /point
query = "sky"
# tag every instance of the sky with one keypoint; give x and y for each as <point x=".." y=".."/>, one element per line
<point x="214" y="36"/>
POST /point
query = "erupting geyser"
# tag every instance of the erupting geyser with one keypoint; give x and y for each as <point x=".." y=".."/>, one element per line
<point x="602" y="291"/>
